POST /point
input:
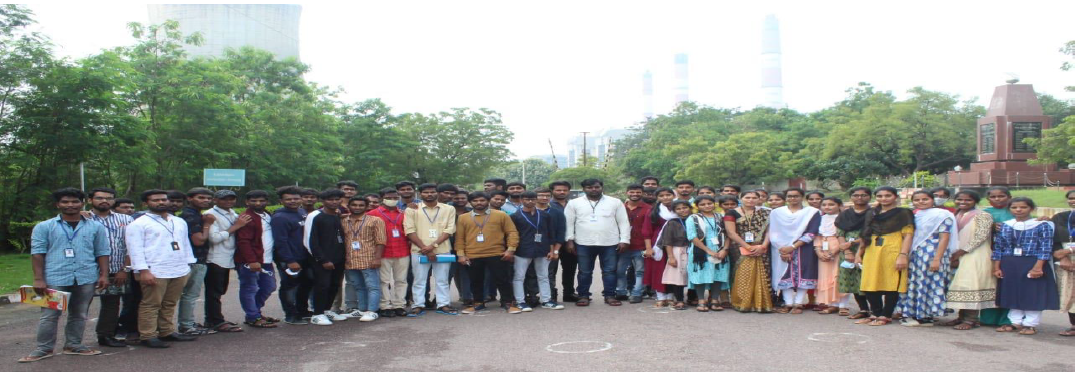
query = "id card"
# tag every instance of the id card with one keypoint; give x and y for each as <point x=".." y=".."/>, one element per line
<point x="750" y="237"/>
<point x="851" y="239"/>
<point x="826" y="246"/>
<point x="479" y="238"/>
<point x="1018" y="252"/>
<point x="879" y="241"/>
<point x="538" y="238"/>
<point x="69" y="252"/>
<point x="340" y="239"/>
<point x="594" y="218"/>
<point x="355" y="246"/>
<point x="715" y="240"/>
<point x="432" y="233"/>
<point x="396" y="233"/>
<point x="175" y="246"/>
<point x="1069" y="246"/>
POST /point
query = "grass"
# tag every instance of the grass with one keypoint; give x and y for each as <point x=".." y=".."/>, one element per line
<point x="15" y="271"/>
<point x="1044" y="197"/>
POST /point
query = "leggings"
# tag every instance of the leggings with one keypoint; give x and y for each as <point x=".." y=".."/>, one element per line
<point x="713" y="288"/>
<point x="678" y="291"/>
<point x="882" y="303"/>
<point x="862" y="302"/>
<point x="793" y="297"/>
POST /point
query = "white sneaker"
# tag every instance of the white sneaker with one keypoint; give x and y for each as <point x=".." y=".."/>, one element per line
<point x="369" y="316"/>
<point x="335" y="317"/>
<point x="321" y="320"/>
<point x="355" y="313"/>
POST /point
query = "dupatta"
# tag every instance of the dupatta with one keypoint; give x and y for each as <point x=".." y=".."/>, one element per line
<point x="785" y="228"/>
<point x="927" y="221"/>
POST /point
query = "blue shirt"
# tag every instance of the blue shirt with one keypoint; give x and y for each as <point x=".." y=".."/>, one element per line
<point x="88" y="241"/>
<point x="287" y="226"/>
<point x="530" y="224"/>
<point x="1031" y="238"/>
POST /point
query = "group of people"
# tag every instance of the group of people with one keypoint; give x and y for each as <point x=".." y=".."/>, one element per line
<point x="752" y="251"/>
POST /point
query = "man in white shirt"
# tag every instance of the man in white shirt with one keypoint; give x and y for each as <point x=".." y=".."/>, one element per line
<point x="596" y="226"/>
<point x="221" y="259"/>
<point x="161" y="254"/>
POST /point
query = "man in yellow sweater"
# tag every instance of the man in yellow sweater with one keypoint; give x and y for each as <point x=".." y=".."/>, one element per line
<point x="486" y="240"/>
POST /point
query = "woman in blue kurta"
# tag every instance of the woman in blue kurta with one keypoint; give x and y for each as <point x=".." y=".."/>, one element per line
<point x="709" y="270"/>
<point x="1022" y="253"/>
<point x="935" y="238"/>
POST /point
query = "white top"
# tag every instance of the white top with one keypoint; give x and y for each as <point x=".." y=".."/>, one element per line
<point x="307" y="223"/>
<point x="609" y="226"/>
<point x="149" y="243"/>
<point x="222" y="243"/>
<point x="267" y="238"/>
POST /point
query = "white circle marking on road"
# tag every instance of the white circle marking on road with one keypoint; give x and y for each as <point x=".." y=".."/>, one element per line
<point x="841" y="337"/>
<point x="652" y="310"/>
<point x="603" y="346"/>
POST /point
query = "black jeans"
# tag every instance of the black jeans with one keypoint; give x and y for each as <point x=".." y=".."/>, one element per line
<point x="109" y="316"/>
<point x="882" y="303"/>
<point x="128" y="322"/>
<point x="568" y="275"/>
<point x="677" y="290"/>
<point x="216" y="286"/>
<point x="326" y="285"/>
<point x="295" y="290"/>
<point x="499" y="275"/>
<point x="862" y="302"/>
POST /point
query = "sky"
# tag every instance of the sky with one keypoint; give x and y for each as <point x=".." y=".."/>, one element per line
<point x="556" y="68"/>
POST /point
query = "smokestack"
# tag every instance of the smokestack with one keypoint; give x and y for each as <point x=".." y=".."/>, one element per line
<point x="771" y="66"/>
<point x="649" y="96"/>
<point x="681" y="78"/>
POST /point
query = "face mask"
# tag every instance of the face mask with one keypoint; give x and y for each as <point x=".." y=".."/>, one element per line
<point x="940" y="201"/>
<point x="389" y="202"/>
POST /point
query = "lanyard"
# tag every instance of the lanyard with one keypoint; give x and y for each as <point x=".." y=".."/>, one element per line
<point x="709" y="223"/>
<point x="538" y="218"/>
<point x="1070" y="225"/>
<point x="480" y="225"/>
<point x="70" y="238"/>
<point x="437" y="210"/>
<point x="228" y="216"/>
<point x="395" y="220"/>
<point x="357" y="231"/>
<point x="264" y="216"/>
<point x="593" y="215"/>
<point x="170" y="222"/>
<point x="1019" y="234"/>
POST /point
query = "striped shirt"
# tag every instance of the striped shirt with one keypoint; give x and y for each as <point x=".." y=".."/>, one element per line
<point x="87" y="241"/>
<point x="369" y="232"/>
<point x="115" y="225"/>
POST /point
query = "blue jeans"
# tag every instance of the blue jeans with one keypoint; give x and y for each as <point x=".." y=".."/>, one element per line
<point x="191" y="292"/>
<point x="368" y="287"/>
<point x="460" y="277"/>
<point x="608" y="260"/>
<point x="78" y="305"/>
<point x="255" y="289"/>
<point x="636" y="259"/>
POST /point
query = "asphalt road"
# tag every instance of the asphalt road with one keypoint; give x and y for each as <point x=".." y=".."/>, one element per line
<point x="599" y="337"/>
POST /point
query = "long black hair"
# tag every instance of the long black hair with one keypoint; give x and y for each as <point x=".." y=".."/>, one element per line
<point x="655" y="218"/>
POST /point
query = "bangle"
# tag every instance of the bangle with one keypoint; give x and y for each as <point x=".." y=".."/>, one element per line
<point x="904" y="254"/>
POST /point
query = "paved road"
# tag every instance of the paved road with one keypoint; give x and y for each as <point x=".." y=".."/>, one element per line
<point x="627" y="338"/>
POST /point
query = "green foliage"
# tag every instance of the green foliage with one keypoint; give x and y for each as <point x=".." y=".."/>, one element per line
<point x="921" y="180"/>
<point x="611" y="183"/>
<point x="15" y="271"/>
<point x="1056" y="146"/>
<point x="537" y="172"/>
<point x="871" y="183"/>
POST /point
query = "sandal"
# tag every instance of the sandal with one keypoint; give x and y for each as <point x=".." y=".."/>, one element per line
<point x="446" y="310"/>
<point x="797" y="310"/>
<point x="828" y="311"/>
<point x="784" y="310"/>
<point x="34" y="358"/>
<point x="679" y="306"/>
<point x="951" y="323"/>
<point x="660" y="304"/>
<point x="612" y="301"/>
<point x="717" y="307"/>
<point x="1008" y="328"/>
<point x="844" y="312"/>
<point x="866" y="320"/>
<point x="271" y="320"/>
<point x="583" y="301"/>
<point x="1067" y="333"/>
<point x="881" y="321"/>
<point x="261" y="323"/>
<point x="228" y="327"/>
<point x="83" y="351"/>
<point x="966" y="325"/>
<point x="702" y="307"/>
<point x="859" y="315"/>
<point x="1028" y="331"/>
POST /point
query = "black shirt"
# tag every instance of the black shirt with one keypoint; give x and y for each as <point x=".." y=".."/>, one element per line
<point x="193" y="217"/>
<point x="327" y="239"/>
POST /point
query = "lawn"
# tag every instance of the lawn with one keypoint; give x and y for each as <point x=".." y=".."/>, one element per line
<point x="1044" y="197"/>
<point x="15" y="271"/>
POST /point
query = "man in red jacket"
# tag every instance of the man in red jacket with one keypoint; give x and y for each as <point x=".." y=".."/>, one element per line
<point x="254" y="261"/>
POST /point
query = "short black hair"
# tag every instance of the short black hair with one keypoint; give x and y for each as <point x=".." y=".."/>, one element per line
<point x="725" y="198"/>
<point x="685" y="182"/>
<point x="402" y="184"/>
<point x="832" y="198"/>
<point x="288" y="190"/>
<point x="889" y="189"/>
<point x="542" y="190"/>
<point x="561" y="183"/>
<point x="706" y="188"/>
<point x="1022" y="199"/>
<point x="372" y="195"/>
<point x="256" y="194"/>
<point x="102" y="189"/>
<point x="175" y="195"/>
<point x="499" y="192"/>
<point x="68" y="191"/>
<point x="331" y="194"/>
<point x="358" y="198"/>
<point x="308" y="191"/>
<point x="529" y="195"/>
<point x="1003" y="189"/>
<point x="122" y="201"/>
<point x="444" y="187"/>
<point x="634" y="187"/>
<point x="792" y="189"/>
<point x="646" y="178"/>
<point x="477" y="195"/>
<point x="462" y="191"/>
<point x="388" y="190"/>
<point x="199" y="191"/>
<point x="427" y="186"/>
<point x="511" y="184"/>
<point x="650" y="190"/>
<point x="732" y="186"/>
<point x="937" y="189"/>
<point x="495" y="181"/>
<point x="814" y="192"/>
<point x="145" y="196"/>
<point x="860" y="188"/>
<point x="971" y="194"/>
<point x="591" y="182"/>
<point x="347" y="183"/>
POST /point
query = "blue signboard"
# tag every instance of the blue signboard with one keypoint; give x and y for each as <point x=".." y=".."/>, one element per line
<point x="224" y="177"/>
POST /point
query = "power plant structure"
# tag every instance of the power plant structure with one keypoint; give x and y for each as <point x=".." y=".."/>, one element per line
<point x="270" y="27"/>
<point x="771" y="64"/>
<point x="649" y="96"/>
<point x="681" y="78"/>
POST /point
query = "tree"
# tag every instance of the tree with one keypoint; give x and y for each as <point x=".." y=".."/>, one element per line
<point x="1056" y="145"/>
<point x="537" y="172"/>
<point x="611" y="183"/>
<point x="743" y="158"/>
<point x="458" y="146"/>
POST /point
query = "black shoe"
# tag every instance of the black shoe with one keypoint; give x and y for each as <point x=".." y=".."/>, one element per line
<point x="110" y="342"/>
<point x="570" y="298"/>
<point x="635" y="299"/>
<point x="132" y="339"/>
<point x="400" y="312"/>
<point x="621" y="297"/>
<point x="179" y="337"/>
<point x="389" y="313"/>
<point x="155" y="343"/>
<point x="430" y="305"/>
<point x="533" y="302"/>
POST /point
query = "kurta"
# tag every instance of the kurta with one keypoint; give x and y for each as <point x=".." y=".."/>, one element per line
<point x="708" y="272"/>
<point x="653" y="269"/>
<point x="996" y="316"/>
<point x="926" y="296"/>
<point x="674" y="236"/>
<point x="973" y="286"/>
<point x="827" y="278"/>
<point x="1018" y="246"/>
<point x="1064" y="239"/>
<point x="878" y="273"/>
<point x="785" y="229"/>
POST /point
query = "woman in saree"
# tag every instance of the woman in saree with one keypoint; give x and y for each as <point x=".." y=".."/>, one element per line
<point x="747" y="225"/>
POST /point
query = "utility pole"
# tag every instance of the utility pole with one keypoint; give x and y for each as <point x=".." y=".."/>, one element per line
<point x="553" y="157"/>
<point x="585" y="148"/>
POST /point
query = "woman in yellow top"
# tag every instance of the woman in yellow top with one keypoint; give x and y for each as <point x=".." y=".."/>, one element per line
<point x="885" y="258"/>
